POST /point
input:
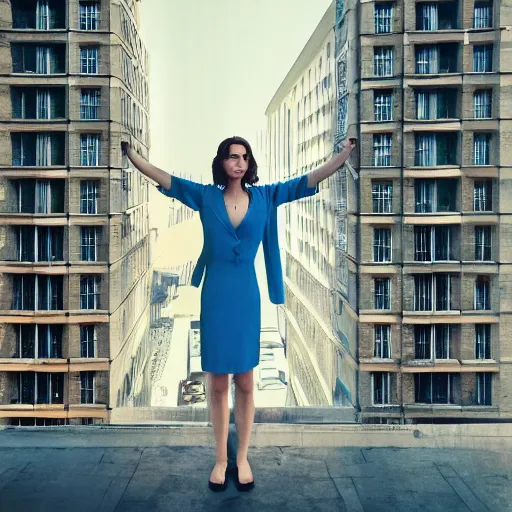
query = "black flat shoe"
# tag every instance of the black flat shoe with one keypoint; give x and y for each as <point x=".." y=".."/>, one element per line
<point x="219" y="487"/>
<point x="243" y="487"/>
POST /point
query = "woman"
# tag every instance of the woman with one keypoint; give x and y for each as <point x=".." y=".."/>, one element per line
<point x="237" y="215"/>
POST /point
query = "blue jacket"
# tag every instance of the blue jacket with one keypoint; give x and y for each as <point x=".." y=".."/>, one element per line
<point x="195" y="195"/>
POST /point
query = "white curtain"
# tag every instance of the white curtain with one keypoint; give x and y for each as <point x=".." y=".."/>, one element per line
<point x="427" y="60"/>
<point x="43" y="104"/>
<point x="426" y="105"/>
<point x="43" y="198"/>
<point x="43" y="149"/>
<point x="429" y="17"/>
<point x="43" y="60"/>
<point x="426" y="150"/>
<point x="43" y="15"/>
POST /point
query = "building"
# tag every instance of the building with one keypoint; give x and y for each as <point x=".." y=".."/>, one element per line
<point x="301" y="128"/>
<point x="434" y="209"/>
<point x="74" y="232"/>
<point x="422" y="259"/>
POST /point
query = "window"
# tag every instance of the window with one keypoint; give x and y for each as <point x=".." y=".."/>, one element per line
<point x="383" y="106"/>
<point x="383" y="61"/>
<point x="89" y="60"/>
<point x="382" y="337"/>
<point x="383" y="17"/>
<point x="382" y="245"/>
<point x="435" y="149"/>
<point x="433" y="388"/>
<point x="86" y="387"/>
<point x="481" y="148"/>
<point x="90" y="103"/>
<point x="89" y="244"/>
<point x="382" y="150"/>
<point x="432" y="196"/>
<point x="38" y="14"/>
<point x="38" y="102"/>
<point x="382" y="293"/>
<point x="482" y="15"/>
<point x="436" y="104"/>
<point x="427" y="60"/>
<point x="484" y="388"/>
<point x="482" y="293"/>
<point x="482" y="58"/>
<point x="482" y="196"/>
<point x="483" y="243"/>
<point x="90" y="149"/>
<point x="89" y="292"/>
<point x="87" y="340"/>
<point x="381" y="388"/>
<point x="433" y="243"/>
<point x="432" y="341"/>
<point x="483" y="103"/>
<point x="89" y="15"/>
<point x="40" y="388"/>
<point x="482" y="341"/>
<point x="432" y="292"/>
<point x="88" y="196"/>
<point x="382" y="196"/>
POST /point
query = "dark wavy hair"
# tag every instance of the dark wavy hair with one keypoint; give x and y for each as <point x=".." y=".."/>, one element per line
<point x="219" y="174"/>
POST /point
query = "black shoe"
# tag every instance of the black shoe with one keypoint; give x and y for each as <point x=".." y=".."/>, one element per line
<point x="219" y="487"/>
<point x="240" y="486"/>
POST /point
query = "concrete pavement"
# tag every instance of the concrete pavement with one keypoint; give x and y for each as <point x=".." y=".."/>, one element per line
<point x="128" y="472"/>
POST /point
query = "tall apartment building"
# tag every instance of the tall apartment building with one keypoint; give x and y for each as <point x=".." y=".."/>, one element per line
<point x="74" y="233"/>
<point x="422" y="269"/>
<point x="300" y="136"/>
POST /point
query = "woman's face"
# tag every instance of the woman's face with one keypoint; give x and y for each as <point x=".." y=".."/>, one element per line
<point x="237" y="163"/>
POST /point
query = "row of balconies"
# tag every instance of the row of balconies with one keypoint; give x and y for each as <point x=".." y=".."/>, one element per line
<point x="54" y="343"/>
<point x="419" y="392"/>
<point x="86" y="16"/>
<point x="59" y="291"/>
<point x="420" y="294"/>
<point x="55" y="196"/>
<point x="431" y="107"/>
<point x="453" y="15"/>
<point x="59" y="389"/>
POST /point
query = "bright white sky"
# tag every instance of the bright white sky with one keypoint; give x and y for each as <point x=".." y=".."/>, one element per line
<point x="215" y="65"/>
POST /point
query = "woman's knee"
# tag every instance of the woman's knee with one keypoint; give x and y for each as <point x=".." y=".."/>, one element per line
<point x="219" y="384"/>
<point x="244" y="382"/>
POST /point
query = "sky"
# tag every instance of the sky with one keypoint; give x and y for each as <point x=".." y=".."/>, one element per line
<point x="214" y="67"/>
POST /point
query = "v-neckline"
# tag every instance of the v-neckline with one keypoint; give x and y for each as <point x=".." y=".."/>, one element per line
<point x="226" y="210"/>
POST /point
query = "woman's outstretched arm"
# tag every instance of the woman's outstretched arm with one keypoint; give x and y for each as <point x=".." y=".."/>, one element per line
<point x="151" y="171"/>
<point x="330" y="167"/>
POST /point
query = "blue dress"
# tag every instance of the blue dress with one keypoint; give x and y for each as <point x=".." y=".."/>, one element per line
<point x="230" y="317"/>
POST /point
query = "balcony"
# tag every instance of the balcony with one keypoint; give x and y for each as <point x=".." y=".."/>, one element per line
<point x="30" y="196"/>
<point x="38" y="103"/>
<point x="437" y="59"/>
<point x="34" y="292"/>
<point x="38" y="14"/>
<point x="33" y="244"/>
<point x="436" y="244"/>
<point x="437" y="16"/>
<point x="436" y="104"/>
<point x="38" y="149"/>
<point x="33" y="58"/>
<point x="436" y="149"/>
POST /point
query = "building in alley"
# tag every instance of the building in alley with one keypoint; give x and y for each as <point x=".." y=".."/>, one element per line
<point x="419" y="240"/>
<point x="74" y="233"/>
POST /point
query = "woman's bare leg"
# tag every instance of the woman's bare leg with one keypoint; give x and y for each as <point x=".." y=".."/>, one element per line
<point x="244" y="419"/>
<point x="219" y="416"/>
